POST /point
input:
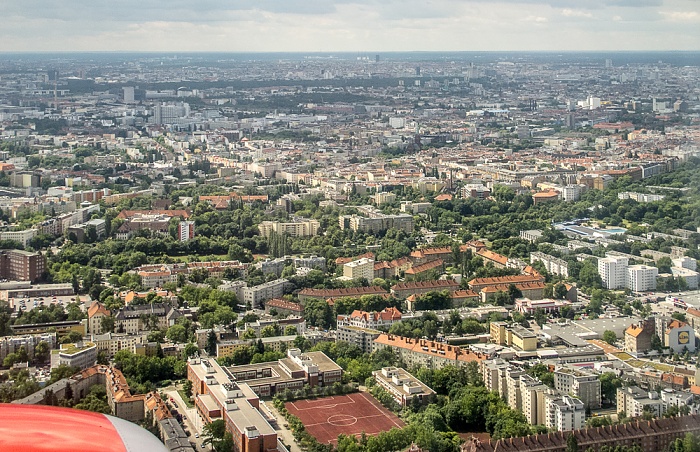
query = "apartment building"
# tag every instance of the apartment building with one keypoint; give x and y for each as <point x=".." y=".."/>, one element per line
<point x="324" y="294"/>
<point x="532" y="392"/>
<point x="634" y="401"/>
<point x="403" y="387"/>
<point x="298" y="227"/>
<point x="12" y="344"/>
<point x="134" y="319"/>
<point x="111" y="343"/>
<point x="564" y="413"/>
<point x="641" y="278"/>
<point x="580" y="383"/>
<point x="96" y="312"/>
<point x="422" y="352"/>
<point x="370" y="320"/>
<point x="361" y="337"/>
<point x="478" y="284"/>
<point x="284" y="307"/>
<point x="361" y="268"/>
<point x="613" y="271"/>
<point x="554" y="265"/>
<point x="638" y="337"/>
<point x="405" y="289"/>
<point x="651" y="436"/>
<point x="259" y="294"/>
<point x="185" y="230"/>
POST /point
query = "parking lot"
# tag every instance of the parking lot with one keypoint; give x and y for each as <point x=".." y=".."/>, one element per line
<point x="27" y="304"/>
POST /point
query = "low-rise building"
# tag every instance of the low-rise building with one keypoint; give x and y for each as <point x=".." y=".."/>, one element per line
<point x="404" y="387"/>
<point x="293" y="372"/>
<point x="81" y="355"/>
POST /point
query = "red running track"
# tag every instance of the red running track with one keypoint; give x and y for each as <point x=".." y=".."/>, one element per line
<point x="350" y="414"/>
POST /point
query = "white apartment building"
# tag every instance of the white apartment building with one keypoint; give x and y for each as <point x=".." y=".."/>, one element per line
<point x="12" y="344"/>
<point x="361" y="268"/>
<point x="531" y="235"/>
<point x="22" y="237"/>
<point x="571" y="193"/>
<point x="185" y="230"/>
<point x="691" y="277"/>
<point x="256" y="295"/>
<point x="686" y="262"/>
<point x="564" y="413"/>
<point x="613" y="271"/>
<point x="554" y="265"/>
<point x="641" y="278"/>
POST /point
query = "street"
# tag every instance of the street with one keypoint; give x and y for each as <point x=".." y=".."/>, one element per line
<point x="193" y="423"/>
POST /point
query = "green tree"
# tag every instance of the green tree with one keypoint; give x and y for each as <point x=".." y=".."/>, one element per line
<point x="609" y="382"/>
<point x="571" y="443"/>
<point x="610" y="337"/>
<point x="177" y="333"/>
<point x="210" y="346"/>
<point x="107" y="324"/>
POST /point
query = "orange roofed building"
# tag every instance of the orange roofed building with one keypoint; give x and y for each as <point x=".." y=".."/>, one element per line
<point x="426" y="353"/>
<point x="545" y="196"/>
<point x="651" y="436"/>
<point x="370" y="320"/>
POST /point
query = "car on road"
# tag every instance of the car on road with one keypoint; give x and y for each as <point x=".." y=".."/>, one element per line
<point x="196" y="435"/>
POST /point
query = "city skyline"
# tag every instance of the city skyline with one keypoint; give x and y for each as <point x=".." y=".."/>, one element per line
<point x="353" y="26"/>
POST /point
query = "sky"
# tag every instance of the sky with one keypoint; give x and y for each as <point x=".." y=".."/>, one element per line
<point x="349" y="25"/>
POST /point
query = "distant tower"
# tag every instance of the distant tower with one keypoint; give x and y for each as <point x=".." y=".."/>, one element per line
<point x="570" y="121"/>
<point x="608" y="63"/>
<point x="376" y="58"/>
<point x="128" y="94"/>
<point x="417" y="71"/>
<point x="185" y="230"/>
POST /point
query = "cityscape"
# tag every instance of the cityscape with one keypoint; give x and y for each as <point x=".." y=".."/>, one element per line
<point x="471" y="251"/>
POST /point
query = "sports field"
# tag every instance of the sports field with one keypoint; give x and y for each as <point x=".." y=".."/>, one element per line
<point x="350" y="414"/>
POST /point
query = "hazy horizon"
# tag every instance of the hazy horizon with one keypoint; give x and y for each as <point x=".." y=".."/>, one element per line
<point x="351" y="26"/>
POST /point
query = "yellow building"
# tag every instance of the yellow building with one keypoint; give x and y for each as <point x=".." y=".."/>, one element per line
<point x="513" y="336"/>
